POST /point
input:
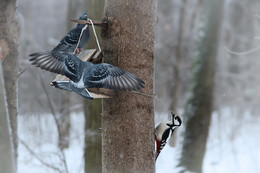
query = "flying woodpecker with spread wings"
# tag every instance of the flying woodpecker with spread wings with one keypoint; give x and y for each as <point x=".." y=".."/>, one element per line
<point x="163" y="130"/>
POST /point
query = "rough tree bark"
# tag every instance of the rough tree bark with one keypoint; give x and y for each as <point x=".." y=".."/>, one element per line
<point x="6" y="150"/>
<point x="200" y="103"/>
<point x="93" y="109"/>
<point x="128" y="118"/>
<point x="9" y="42"/>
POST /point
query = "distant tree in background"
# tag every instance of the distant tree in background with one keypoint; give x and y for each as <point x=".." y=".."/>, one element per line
<point x="93" y="109"/>
<point x="199" y="105"/>
<point x="64" y="118"/>
<point x="9" y="34"/>
<point x="7" y="164"/>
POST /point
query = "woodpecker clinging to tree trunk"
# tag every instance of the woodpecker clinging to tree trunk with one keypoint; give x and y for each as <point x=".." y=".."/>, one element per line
<point x="162" y="132"/>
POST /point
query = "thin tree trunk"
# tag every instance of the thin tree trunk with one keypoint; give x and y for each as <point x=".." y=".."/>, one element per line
<point x="128" y="117"/>
<point x="6" y="149"/>
<point x="175" y="82"/>
<point x="93" y="109"/>
<point x="92" y="151"/>
<point x="200" y="103"/>
<point x="64" y="122"/>
<point x="9" y="34"/>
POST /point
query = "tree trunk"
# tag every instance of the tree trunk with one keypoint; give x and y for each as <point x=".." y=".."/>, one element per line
<point x="64" y="121"/>
<point x="175" y="82"/>
<point x="6" y="149"/>
<point x="200" y="103"/>
<point x="128" y="117"/>
<point x="93" y="109"/>
<point x="92" y="151"/>
<point x="9" y="42"/>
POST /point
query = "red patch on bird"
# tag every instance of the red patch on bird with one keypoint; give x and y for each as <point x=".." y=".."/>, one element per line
<point x="158" y="144"/>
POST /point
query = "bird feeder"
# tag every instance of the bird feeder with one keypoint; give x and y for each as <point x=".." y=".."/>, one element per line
<point x="93" y="56"/>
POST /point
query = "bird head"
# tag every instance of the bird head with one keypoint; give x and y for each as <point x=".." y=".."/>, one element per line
<point x="83" y="16"/>
<point x="173" y="125"/>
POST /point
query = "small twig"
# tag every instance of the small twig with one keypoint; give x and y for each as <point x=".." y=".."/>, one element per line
<point x="87" y="22"/>
<point x="148" y="95"/>
<point x="62" y="157"/>
<point x="242" y="53"/>
<point x="19" y="74"/>
<point x="38" y="158"/>
<point x="50" y="105"/>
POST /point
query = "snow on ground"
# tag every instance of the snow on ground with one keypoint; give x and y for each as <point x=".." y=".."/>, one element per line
<point x="40" y="134"/>
<point x="233" y="144"/>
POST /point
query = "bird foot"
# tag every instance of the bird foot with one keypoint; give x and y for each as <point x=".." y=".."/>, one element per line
<point x="78" y="50"/>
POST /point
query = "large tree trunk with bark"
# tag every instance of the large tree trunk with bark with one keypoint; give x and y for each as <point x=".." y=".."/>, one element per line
<point x="128" y="117"/>
<point x="200" y="103"/>
<point x="9" y="44"/>
<point x="6" y="149"/>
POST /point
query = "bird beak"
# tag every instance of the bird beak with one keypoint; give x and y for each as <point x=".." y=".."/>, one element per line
<point x="176" y="117"/>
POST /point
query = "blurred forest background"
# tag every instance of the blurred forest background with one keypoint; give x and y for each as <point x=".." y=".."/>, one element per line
<point x="229" y="87"/>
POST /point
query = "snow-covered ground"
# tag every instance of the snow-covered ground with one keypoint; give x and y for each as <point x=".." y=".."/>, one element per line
<point x="40" y="134"/>
<point x="233" y="144"/>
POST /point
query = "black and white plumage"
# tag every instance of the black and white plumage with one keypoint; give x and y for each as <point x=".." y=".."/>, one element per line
<point x="85" y="75"/>
<point x="162" y="132"/>
<point x="69" y="43"/>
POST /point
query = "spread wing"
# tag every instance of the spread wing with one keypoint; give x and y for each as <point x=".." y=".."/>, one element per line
<point x="59" y="62"/>
<point x="111" y="77"/>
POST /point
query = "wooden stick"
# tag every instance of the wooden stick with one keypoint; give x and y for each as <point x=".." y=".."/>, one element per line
<point x="97" y="23"/>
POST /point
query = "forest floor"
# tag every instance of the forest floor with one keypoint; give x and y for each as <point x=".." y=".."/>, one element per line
<point x="233" y="145"/>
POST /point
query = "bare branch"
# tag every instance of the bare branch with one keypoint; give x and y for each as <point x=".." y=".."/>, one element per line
<point x="20" y="73"/>
<point x="148" y="95"/>
<point x="38" y="158"/>
<point x="50" y="104"/>
<point x="242" y="53"/>
<point x="62" y="156"/>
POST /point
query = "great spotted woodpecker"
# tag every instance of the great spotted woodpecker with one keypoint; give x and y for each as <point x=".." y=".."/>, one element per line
<point x="162" y="132"/>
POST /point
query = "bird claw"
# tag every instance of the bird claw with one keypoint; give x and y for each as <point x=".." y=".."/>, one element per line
<point x="78" y="50"/>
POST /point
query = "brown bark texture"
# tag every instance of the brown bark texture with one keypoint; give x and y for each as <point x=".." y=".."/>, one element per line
<point x="128" y="117"/>
<point x="9" y="34"/>
<point x="199" y="106"/>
